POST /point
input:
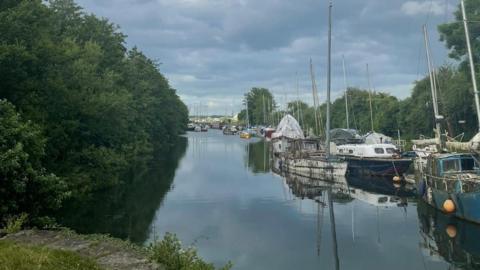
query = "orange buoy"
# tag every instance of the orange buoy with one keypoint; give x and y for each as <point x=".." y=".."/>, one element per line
<point x="449" y="206"/>
<point x="397" y="178"/>
<point x="451" y="231"/>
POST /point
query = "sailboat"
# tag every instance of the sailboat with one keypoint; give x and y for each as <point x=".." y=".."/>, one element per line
<point x="449" y="180"/>
<point x="323" y="165"/>
<point x="247" y="133"/>
<point x="372" y="155"/>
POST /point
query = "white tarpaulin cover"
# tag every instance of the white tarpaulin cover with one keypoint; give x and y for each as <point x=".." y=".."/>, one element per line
<point x="289" y="128"/>
<point x="376" y="138"/>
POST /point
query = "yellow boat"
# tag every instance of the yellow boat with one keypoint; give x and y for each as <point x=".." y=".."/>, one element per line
<point x="245" y="135"/>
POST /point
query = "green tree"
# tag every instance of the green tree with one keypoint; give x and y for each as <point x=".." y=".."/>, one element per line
<point x="25" y="186"/>
<point x="261" y="104"/>
<point x="101" y="108"/>
<point x="454" y="36"/>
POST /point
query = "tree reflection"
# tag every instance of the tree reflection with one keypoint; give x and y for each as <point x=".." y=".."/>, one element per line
<point x="127" y="211"/>
<point x="259" y="158"/>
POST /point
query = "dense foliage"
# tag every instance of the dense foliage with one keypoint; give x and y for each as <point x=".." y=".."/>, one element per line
<point x="260" y="104"/>
<point x="25" y="186"/>
<point x="98" y="108"/>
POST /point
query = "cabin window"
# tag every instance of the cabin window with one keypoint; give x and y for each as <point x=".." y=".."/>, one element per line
<point x="350" y="151"/>
<point x="468" y="164"/>
<point x="341" y="150"/>
<point x="383" y="199"/>
<point x="451" y="165"/>
<point x="391" y="150"/>
<point x="379" y="151"/>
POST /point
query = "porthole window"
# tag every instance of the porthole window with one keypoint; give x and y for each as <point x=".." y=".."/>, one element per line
<point x="391" y="150"/>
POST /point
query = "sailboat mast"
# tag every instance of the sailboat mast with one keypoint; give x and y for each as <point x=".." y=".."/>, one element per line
<point x="315" y="99"/>
<point x="432" y="84"/>
<point x="246" y="107"/>
<point x="263" y="96"/>
<point x="298" y="98"/>
<point x="470" y="59"/>
<point x="370" y="97"/>
<point x="269" y="112"/>
<point x="327" y="135"/>
<point x="346" y="91"/>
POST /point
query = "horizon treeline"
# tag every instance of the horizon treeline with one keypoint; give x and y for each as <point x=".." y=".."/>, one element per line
<point x="77" y="108"/>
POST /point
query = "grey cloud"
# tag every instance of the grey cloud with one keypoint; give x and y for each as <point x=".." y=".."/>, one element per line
<point x="215" y="50"/>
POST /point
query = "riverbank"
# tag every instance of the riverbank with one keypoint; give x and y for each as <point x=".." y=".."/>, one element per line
<point x="91" y="251"/>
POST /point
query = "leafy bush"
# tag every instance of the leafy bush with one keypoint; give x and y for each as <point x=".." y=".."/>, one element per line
<point x="15" y="224"/>
<point x="172" y="256"/>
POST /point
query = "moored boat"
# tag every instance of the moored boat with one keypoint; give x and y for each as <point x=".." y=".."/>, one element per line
<point x="451" y="182"/>
<point x="374" y="159"/>
<point x="245" y="135"/>
<point x="288" y="130"/>
<point x="230" y="130"/>
<point x="268" y="132"/>
<point x="316" y="167"/>
<point x="324" y="164"/>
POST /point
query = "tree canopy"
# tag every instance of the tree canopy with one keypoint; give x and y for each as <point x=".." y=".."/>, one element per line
<point x="98" y="107"/>
<point x="261" y="104"/>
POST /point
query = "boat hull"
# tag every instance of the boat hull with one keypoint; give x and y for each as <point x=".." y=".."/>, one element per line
<point x="316" y="168"/>
<point x="467" y="204"/>
<point x="377" y="167"/>
<point x="245" y="135"/>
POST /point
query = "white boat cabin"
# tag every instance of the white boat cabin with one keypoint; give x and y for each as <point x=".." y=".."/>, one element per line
<point x="368" y="150"/>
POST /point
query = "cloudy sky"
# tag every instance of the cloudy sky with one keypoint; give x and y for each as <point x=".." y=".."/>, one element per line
<point x="213" y="51"/>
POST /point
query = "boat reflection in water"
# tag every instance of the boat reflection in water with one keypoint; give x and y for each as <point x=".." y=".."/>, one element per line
<point x="377" y="192"/>
<point x="374" y="191"/>
<point x="451" y="239"/>
<point x="323" y="193"/>
<point x="380" y="191"/>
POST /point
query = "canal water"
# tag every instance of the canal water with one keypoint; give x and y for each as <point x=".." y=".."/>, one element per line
<point x="225" y="196"/>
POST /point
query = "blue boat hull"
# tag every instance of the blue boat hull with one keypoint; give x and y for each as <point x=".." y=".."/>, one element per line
<point x="467" y="205"/>
<point x="377" y="167"/>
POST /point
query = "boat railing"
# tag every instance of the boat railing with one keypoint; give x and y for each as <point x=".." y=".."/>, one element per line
<point x="456" y="182"/>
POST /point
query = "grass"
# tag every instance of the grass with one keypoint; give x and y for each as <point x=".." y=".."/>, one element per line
<point x="21" y="257"/>
<point x="167" y="252"/>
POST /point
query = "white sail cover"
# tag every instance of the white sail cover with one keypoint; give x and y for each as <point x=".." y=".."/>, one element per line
<point x="376" y="138"/>
<point x="289" y="128"/>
